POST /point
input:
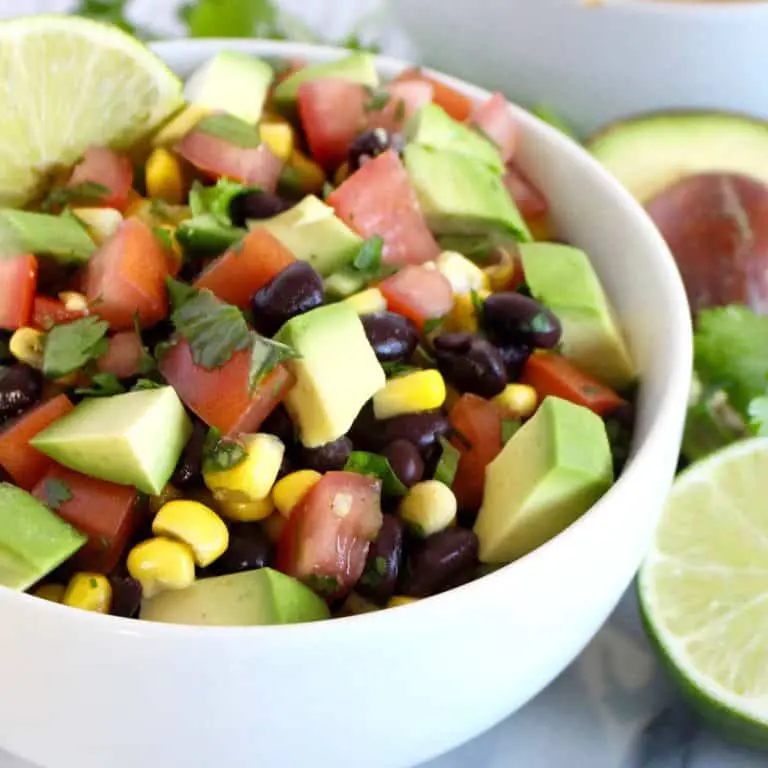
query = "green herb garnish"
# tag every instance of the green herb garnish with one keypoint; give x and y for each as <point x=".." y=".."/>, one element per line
<point x="164" y="236"/>
<point x="231" y="129"/>
<point x="327" y="586"/>
<point x="445" y="472"/>
<point x="432" y="324"/>
<point x="145" y="384"/>
<point x="378" y="100"/>
<point x="102" y="385"/>
<point x="398" y="369"/>
<point x="368" y="258"/>
<point x="221" y="454"/>
<point x="68" y="347"/>
<point x="85" y="191"/>
<point x="364" y="463"/>
<point x="56" y="493"/>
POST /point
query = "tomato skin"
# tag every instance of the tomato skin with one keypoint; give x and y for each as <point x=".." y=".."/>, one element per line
<point x="220" y="396"/>
<point x="47" y="312"/>
<point x="123" y="355"/>
<point x="108" y="168"/>
<point x="126" y="277"/>
<point x="479" y="421"/>
<point x="529" y="200"/>
<point x="418" y="293"/>
<point x="245" y="268"/>
<point x="25" y="464"/>
<point x="319" y="542"/>
<point x="105" y="512"/>
<point x="405" y="98"/>
<point x="18" y="283"/>
<point x="494" y="118"/>
<point x="551" y="374"/>
<point x="456" y="104"/>
<point x="378" y="199"/>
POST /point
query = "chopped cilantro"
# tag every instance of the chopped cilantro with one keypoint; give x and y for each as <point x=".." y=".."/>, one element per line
<point x="102" y="385"/>
<point x="164" y="236"/>
<point x="145" y="384"/>
<point x="398" y="369"/>
<point x="508" y="429"/>
<point x="368" y="258"/>
<point x="324" y="585"/>
<point x="477" y="303"/>
<point x="231" y="129"/>
<point x="445" y="472"/>
<point x="220" y="454"/>
<point x="217" y="199"/>
<point x="85" y="192"/>
<point x="68" y="347"/>
<point x="378" y="100"/>
<point x="56" y="492"/>
<point x="364" y="463"/>
<point x="432" y="324"/>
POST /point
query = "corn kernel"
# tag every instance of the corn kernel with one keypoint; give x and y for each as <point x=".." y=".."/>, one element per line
<point x="367" y="302"/>
<point x="518" y="401"/>
<point x="74" y="301"/>
<point x="101" y="223"/>
<point x="273" y="526"/>
<point x="161" y="564"/>
<point x="462" y="318"/>
<point x="179" y="125"/>
<point x="428" y="507"/>
<point x="197" y="526"/>
<point x="291" y="489"/>
<point x="308" y="176"/>
<point x="89" y="591"/>
<point x="411" y="393"/>
<point x="51" y="591"/>
<point x="398" y="600"/>
<point x="246" y="511"/>
<point x="463" y="275"/>
<point x="252" y="479"/>
<point x="26" y="345"/>
<point x="164" y="177"/>
<point x="278" y="135"/>
<point x="501" y="274"/>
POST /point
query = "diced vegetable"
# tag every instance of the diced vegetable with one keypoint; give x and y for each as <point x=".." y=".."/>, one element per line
<point x="399" y="101"/>
<point x="530" y="202"/>
<point x="18" y="282"/>
<point x="418" y="293"/>
<point x="428" y="508"/>
<point x="88" y="592"/>
<point x="123" y="355"/>
<point x="494" y="119"/>
<point x="161" y="564"/>
<point x="456" y="104"/>
<point x="47" y="312"/>
<point x="197" y="526"/>
<point x="108" y="169"/>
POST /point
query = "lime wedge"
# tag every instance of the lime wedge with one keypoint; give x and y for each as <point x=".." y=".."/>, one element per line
<point x="704" y="589"/>
<point x="69" y="83"/>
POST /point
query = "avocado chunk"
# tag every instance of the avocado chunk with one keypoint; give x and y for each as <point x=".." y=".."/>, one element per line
<point x="33" y="539"/>
<point x="432" y="127"/>
<point x="358" y="67"/>
<point x="553" y="469"/>
<point x="562" y="278"/>
<point x="250" y="598"/>
<point x="461" y="196"/>
<point x="312" y="232"/>
<point x="336" y="374"/>
<point x="208" y="234"/>
<point x="62" y="237"/>
<point x="232" y="82"/>
<point x="652" y="152"/>
<point x="342" y="284"/>
<point x="132" y="439"/>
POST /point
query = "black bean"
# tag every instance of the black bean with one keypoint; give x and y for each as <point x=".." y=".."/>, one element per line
<point x="256" y="205"/>
<point x="477" y="368"/>
<point x="453" y="342"/>
<point x="249" y="548"/>
<point x="367" y="145"/>
<point x="20" y="388"/>
<point x="382" y="566"/>
<point x="188" y="471"/>
<point x="435" y="565"/>
<point x="515" y="357"/>
<point x="421" y="429"/>
<point x="328" y="457"/>
<point x="296" y="289"/>
<point x="279" y="424"/>
<point x="126" y="596"/>
<point x="392" y="336"/>
<point x="515" y="318"/>
<point x="405" y="460"/>
<point x="619" y="426"/>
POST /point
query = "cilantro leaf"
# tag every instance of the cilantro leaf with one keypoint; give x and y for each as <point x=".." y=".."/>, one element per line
<point x="445" y="472"/>
<point x="217" y="199"/>
<point x="368" y="258"/>
<point x="221" y="454"/>
<point x="710" y="424"/>
<point x="145" y="384"/>
<point x="56" y="492"/>
<point x="393" y="369"/>
<point x="85" y="191"/>
<point x="325" y="586"/>
<point x="432" y="324"/>
<point x="70" y="346"/>
<point x="364" y="463"/>
<point x="266" y="354"/>
<point x="377" y="102"/>
<point x="230" y="129"/>
<point x="102" y="385"/>
<point x="758" y="416"/>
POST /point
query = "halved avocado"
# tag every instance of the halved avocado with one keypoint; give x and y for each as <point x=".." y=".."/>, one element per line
<point x="651" y="152"/>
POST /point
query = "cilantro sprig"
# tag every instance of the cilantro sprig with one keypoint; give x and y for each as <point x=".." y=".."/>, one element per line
<point x="71" y="346"/>
<point x="56" y="493"/>
<point x="85" y="192"/>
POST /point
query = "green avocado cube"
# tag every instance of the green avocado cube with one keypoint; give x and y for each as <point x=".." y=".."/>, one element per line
<point x="62" y="237"/>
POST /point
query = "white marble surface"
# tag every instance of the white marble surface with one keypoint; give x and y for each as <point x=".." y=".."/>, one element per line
<point x="612" y="708"/>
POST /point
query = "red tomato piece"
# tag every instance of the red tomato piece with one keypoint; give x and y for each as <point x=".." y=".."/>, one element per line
<point x="47" y="312"/>
<point x="418" y="293"/>
<point x="110" y="169"/>
<point x="456" y="104"/>
<point x="216" y="158"/>
<point x="478" y="424"/>
<point x="326" y="539"/>
<point x="237" y="274"/>
<point x="405" y="98"/>
<point x="25" y="464"/>
<point x="551" y="374"/>
<point x="494" y="118"/>
<point x="126" y="276"/>
<point x="104" y="511"/>
<point x="527" y="197"/>
<point x="122" y="356"/>
<point x="18" y="283"/>
<point x="378" y="199"/>
<point x="220" y="396"/>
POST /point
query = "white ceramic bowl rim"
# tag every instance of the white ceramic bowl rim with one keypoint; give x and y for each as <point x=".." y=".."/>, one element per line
<point x="679" y="8"/>
<point x="678" y="344"/>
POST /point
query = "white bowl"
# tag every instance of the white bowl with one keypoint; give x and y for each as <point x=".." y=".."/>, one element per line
<point x="596" y="62"/>
<point x="389" y="689"/>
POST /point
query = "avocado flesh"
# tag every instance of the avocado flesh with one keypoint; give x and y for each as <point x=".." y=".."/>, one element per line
<point x="250" y="598"/>
<point x="553" y="469"/>
<point x="562" y="278"/>
<point x="132" y="439"/>
<point x="62" y="237"/>
<point x="652" y="152"/>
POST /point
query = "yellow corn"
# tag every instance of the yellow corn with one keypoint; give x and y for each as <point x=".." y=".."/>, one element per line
<point x="164" y="177"/>
<point x="291" y="489"/>
<point x="161" y="564"/>
<point x="367" y="302"/>
<point x="89" y="591"/>
<point x="428" y="507"/>
<point x="501" y="274"/>
<point x="51" y="591"/>
<point x="307" y="175"/>
<point x="74" y="301"/>
<point x="397" y="600"/>
<point x="180" y="125"/>
<point x="273" y="526"/>
<point x="101" y="223"/>
<point x="518" y="401"/>
<point x="26" y="345"/>
<point x="196" y="525"/>
<point x="411" y="393"/>
<point x="246" y="511"/>
<point x="462" y="317"/>
<point x="278" y="135"/>
<point x="463" y="275"/>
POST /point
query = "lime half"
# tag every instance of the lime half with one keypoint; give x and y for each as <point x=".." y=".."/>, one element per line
<point x="68" y="83"/>
<point x="704" y="589"/>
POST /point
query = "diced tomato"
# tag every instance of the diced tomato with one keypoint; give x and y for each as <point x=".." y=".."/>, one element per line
<point x="551" y="374"/>
<point x="122" y="356"/>
<point x="527" y="197"/>
<point x="405" y="98"/>
<point x="326" y="539"/>
<point x="18" y="283"/>
<point x="418" y="293"/>
<point x="217" y="158"/>
<point x="494" y="118"/>
<point x="126" y="277"/>
<point x="48" y="312"/>
<point x="104" y="511"/>
<point x="378" y="199"/>
<point x="25" y="464"/>
<point x="456" y="104"/>
<point x="237" y="274"/>
<point x="478" y="424"/>
<point x="108" y="168"/>
<point x="221" y="396"/>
